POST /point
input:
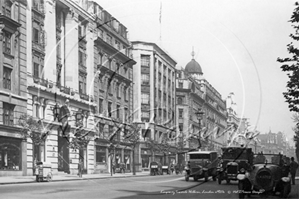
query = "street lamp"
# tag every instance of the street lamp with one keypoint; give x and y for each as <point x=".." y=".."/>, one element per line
<point x="56" y="112"/>
<point x="199" y="115"/>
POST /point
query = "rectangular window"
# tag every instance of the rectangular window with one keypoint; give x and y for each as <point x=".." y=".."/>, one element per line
<point x="8" y="114"/>
<point x="100" y="106"/>
<point x="145" y="79"/>
<point x="109" y="109"/>
<point x="100" y="154"/>
<point x="118" y="112"/>
<point x="82" y="84"/>
<point x="7" y="78"/>
<point x="36" y="71"/>
<point x="145" y="60"/>
<point x="145" y="115"/>
<point x="125" y="93"/>
<point x="35" y="35"/>
<point x="118" y="89"/>
<point x="145" y="98"/>
<point x="180" y="113"/>
<point x="6" y="42"/>
<point x="126" y="114"/>
<point x="180" y="85"/>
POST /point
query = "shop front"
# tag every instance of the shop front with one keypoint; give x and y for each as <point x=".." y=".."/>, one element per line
<point x="101" y="159"/>
<point x="11" y="156"/>
<point x="146" y="158"/>
<point x="127" y="159"/>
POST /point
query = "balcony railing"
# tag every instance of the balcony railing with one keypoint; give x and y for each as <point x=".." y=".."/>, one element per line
<point x="84" y="96"/>
<point x="66" y="90"/>
<point x="42" y="82"/>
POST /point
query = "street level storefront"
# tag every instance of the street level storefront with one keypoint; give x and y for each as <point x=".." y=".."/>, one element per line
<point x="127" y="159"/>
<point x="145" y="156"/>
<point x="12" y="159"/>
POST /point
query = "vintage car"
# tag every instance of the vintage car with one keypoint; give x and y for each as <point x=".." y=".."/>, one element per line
<point x="166" y="169"/>
<point x="268" y="175"/>
<point x="155" y="168"/>
<point x="201" y="164"/>
<point x="234" y="160"/>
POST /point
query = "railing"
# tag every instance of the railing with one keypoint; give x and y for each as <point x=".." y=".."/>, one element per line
<point x="66" y="90"/>
<point x="38" y="46"/>
<point x="42" y="82"/>
<point x="84" y="96"/>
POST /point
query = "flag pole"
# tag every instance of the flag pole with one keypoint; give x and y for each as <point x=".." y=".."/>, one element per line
<point x="160" y="15"/>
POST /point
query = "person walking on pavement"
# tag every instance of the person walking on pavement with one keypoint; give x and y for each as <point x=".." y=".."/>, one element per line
<point x="80" y="167"/>
<point x="293" y="168"/>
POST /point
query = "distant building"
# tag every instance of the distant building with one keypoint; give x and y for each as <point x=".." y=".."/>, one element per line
<point x="275" y="143"/>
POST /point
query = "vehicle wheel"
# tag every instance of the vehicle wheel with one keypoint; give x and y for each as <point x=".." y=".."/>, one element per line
<point x="228" y="181"/>
<point x="205" y="176"/>
<point x="241" y="189"/>
<point x="195" y="178"/>
<point x="187" y="178"/>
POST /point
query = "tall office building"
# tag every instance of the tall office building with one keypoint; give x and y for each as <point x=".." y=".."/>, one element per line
<point x="154" y="98"/>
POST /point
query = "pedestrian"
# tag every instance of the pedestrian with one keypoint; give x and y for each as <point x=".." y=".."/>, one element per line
<point x="80" y="167"/>
<point x="293" y="169"/>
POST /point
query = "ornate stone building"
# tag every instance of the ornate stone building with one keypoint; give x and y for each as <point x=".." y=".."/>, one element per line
<point x="194" y="93"/>
<point x="13" y="95"/>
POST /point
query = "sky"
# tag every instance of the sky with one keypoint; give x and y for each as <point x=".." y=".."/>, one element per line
<point x="236" y="42"/>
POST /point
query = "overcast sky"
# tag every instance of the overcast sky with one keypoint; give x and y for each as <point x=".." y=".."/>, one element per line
<point x="236" y="42"/>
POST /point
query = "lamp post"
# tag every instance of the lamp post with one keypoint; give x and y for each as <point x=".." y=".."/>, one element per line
<point x="56" y="112"/>
<point x="199" y="115"/>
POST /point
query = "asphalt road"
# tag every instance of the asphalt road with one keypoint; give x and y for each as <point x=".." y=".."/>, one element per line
<point x="166" y="186"/>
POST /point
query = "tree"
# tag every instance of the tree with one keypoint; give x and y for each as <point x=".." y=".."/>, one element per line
<point x="291" y="64"/>
<point x="33" y="128"/>
<point x="296" y="136"/>
<point x="132" y="136"/>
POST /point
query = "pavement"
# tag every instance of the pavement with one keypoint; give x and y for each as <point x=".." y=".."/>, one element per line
<point x="67" y="177"/>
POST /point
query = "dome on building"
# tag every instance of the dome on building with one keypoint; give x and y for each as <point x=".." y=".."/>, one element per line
<point x="193" y="67"/>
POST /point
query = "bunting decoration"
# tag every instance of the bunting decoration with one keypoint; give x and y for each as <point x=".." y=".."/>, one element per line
<point x="229" y="130"/>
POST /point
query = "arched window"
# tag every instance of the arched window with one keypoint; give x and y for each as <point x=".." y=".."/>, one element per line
<point x="179" y="100"/>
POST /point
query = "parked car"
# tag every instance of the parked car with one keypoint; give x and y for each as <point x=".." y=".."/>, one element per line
<point x="201" y="164"/>
<point x="234" y="160"/>
<point x="155" y="168"/>
<point x="269" y="175"/>
<point x="166" y="169"/>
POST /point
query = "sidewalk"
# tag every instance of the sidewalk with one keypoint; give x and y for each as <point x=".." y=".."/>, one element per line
<point x="31" y="179"/>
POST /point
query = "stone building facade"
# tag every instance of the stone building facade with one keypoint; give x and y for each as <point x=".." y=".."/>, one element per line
<point x="13" y="97"/>
<point x="154" y="100"/>
<point x="194" y="93"/>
